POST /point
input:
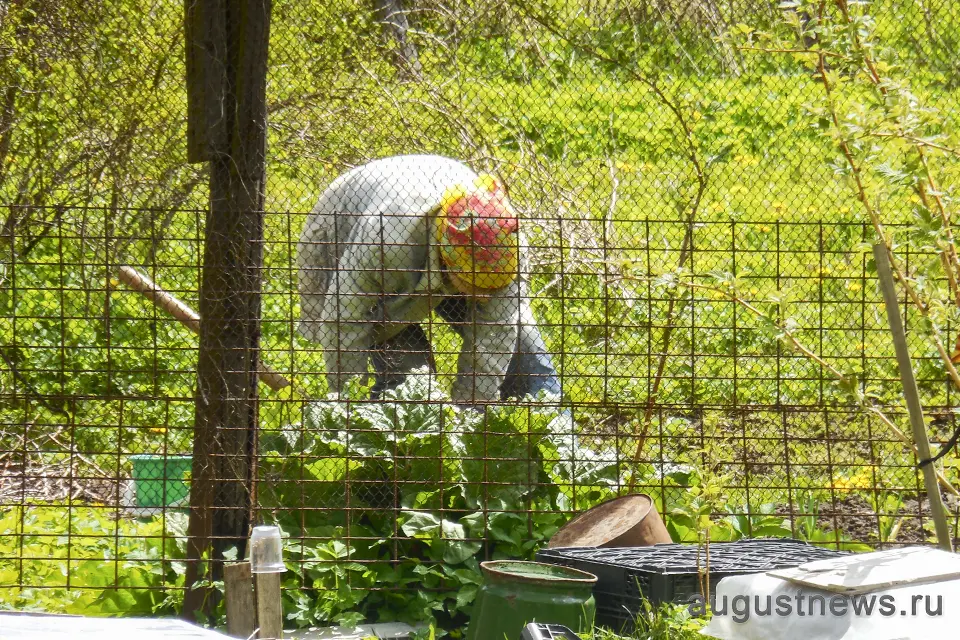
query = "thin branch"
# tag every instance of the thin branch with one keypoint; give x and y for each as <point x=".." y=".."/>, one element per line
<point x="733" y="297"/>
<point x="912" y="139"/>
<point x="920" y="305"/>
<point x="906" y="439"/>
<point x="953" y="263"/>
<point x="693" y="154"/>
<point x="816" y="52"/>
<point x="42" y="399"/>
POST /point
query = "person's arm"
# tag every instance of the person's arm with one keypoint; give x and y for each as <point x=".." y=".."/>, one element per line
<point x="490" y="335"/>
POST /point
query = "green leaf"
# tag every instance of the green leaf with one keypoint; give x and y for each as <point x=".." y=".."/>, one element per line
<point x="466" y="595"/>
<point x="421" y="524"/>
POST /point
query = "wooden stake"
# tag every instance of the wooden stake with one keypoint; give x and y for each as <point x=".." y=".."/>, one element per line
<point x="911" y="395"/>
<point x="185" y="315"/>
<point x="238" y="592"/>
<point x="269" y="607"/>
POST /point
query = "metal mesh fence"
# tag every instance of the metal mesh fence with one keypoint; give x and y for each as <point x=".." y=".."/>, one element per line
<point x="693" y="311"/>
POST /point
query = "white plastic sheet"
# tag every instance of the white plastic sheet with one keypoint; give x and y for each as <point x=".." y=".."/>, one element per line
<point x="21" y="626"/>
<point x="903" y="616"/>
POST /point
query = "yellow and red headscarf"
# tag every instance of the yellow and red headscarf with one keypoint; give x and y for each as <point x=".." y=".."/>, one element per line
<point x="477" y="233"/>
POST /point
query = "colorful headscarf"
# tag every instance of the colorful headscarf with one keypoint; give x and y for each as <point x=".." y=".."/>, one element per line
<point x="477" y="235"/>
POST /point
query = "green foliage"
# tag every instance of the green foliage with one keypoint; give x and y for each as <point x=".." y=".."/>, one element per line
<point x="668" y="622"/>
<point x="90" y="561"/>
<point x="98" y="120"/>
<point x="809" y="529"/>
<point x="531" y="94"/>
<point x="469" y="484"/>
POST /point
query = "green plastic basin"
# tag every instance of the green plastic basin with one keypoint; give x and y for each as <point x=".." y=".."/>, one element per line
<point x="159" y="480"/>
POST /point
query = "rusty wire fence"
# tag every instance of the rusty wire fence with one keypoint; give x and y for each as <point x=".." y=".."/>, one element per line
<point x="699" y="316"/>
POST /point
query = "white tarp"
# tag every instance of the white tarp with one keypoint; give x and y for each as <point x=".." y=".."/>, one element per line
<point x="23" y="626"/>
<point x="766" y="607"/>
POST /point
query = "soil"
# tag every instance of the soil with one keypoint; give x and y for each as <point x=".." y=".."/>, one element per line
<point x="855" y="518"/>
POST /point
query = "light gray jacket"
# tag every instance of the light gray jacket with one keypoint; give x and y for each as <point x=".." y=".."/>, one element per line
<point x="368" y="267"/>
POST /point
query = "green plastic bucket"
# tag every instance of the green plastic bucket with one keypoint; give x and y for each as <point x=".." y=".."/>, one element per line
<point x="159" y="480"/>
<point x="516" y="593"/>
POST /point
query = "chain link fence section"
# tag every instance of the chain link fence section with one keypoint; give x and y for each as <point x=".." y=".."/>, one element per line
<point x="692" y="257"/>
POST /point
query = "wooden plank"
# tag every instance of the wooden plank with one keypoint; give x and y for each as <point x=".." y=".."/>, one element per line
<point x="238" y="591"/>
<point x="225" y="425"/>
<point x="269" y="607"/>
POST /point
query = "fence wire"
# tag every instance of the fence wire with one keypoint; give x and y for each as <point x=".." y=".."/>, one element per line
<point x="687" y="309"/>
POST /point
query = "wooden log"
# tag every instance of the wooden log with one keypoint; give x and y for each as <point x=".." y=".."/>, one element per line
<point x="911" y="394"/>
<point x="152" y="292"/>
<point x="269" y="606"/>
<point x="238" y="592"/>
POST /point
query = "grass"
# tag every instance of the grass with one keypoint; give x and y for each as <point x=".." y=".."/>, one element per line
<point x="78" y="559"/>
<point x="668" y="622"/>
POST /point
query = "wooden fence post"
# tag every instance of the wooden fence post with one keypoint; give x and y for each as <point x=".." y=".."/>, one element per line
<point x="227" y="44"/>
<point x="269" y="606"/>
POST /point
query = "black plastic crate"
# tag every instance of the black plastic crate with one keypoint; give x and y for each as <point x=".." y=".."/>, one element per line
<point x="668" y="572"/>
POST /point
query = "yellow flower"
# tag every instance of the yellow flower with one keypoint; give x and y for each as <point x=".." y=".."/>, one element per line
<point x="160" y="430"/>
<point x="863" y="479"/>
<point x="842" y="484"/>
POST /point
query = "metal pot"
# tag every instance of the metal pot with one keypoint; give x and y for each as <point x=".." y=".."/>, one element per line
<point x="627" y="521"/>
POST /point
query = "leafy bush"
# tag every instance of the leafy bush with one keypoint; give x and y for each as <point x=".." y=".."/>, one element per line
<point x="89" y="562"/>
<point x="468" y="485"/>
<point x="387" y="510"/>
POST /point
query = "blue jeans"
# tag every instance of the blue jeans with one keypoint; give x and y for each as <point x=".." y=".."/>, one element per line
<point x="530" y="370"/>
